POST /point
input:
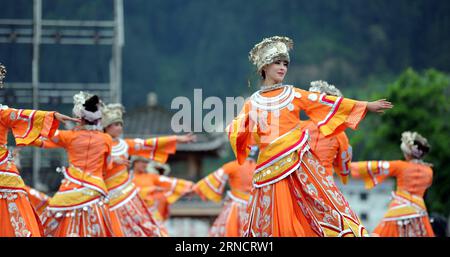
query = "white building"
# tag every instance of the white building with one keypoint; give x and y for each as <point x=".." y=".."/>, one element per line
<point x="370" y="205"/>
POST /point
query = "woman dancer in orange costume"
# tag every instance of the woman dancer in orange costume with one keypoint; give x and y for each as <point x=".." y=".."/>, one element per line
<point x="18" y="218"/>
<point x="334" y="152"/>
<point x="80" y="208"/>
<point x="407" y="214"/>
<point x="125" y="202"/>
<point x="230" y="221"/>
<point x="291" y="195"/>
<point x="157" y="189"/>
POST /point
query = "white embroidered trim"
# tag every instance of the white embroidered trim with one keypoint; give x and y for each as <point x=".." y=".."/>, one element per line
<point x="92" y="202"/>
<point x="280" y="178"/>
<point x="81" y="183"/>
<point x="236" y="199"/>
<point x="121" y="187"/>
<point x="13" y="191"/>
<point x="9" y="174"/>
<point x="124" y="201"/>
<point x="120" y="149"/>
<point x="28" y="120"/>
<point x="333" y="108"/>
<point x="216" y="190"/>
<point x="304" y="140"/>
<point x="418" y="215"/>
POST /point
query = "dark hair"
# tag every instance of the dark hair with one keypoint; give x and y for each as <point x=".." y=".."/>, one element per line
<point x="92" y="104"/>
<point x="263" y="74"/>
<point x="424" y="148"/>
<point x="89" y="122"/>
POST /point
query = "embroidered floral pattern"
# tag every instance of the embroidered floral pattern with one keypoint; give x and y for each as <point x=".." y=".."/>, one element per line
<point x="88" y="221"/>
<point x="15" y="217"/>
<point x="321" y="202"/>
<point x="219" y="227"/>
<point x="136" y="220"/>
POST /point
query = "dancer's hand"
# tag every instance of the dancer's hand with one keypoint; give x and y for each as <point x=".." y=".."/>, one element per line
<point x="63" y="118"/>
<point x="188" y="138"/>
<point x="379" y="106"/>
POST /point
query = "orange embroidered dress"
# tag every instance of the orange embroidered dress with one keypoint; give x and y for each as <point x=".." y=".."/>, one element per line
<point x="407" y="214"/>
<point x="292" y="195"/>
<point x="80" y="208"/>
<point x="125" y="202"/>
<point x="17" y="216"/>
<point x="335" y="152"/>
<point x="230" y="221"/>
<point x="159" y="192"/>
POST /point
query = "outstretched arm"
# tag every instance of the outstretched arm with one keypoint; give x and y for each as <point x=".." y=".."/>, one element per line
<point x="64" y="118"/>
<point x="157" y="148"/>
<point x="332" y="114"/>
<point x="374" y="172"/>
<point x="188" y="138"/>
<point x="379" y="106"/>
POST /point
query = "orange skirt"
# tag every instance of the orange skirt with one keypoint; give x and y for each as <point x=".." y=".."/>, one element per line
<point x="159" y="220"/>
<point x="306" y="203"/>
<point x="17" y="216"/>
<point x="413" y="227"/>
<point x="230" y="222"/>
<point x="135" y="219"/>
<point x="89" y="221"/>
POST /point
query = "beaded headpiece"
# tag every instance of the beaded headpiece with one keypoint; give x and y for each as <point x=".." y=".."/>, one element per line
<point x="112" y="113"/>
<point x="2" y="74"/>
<point x="80" y="109"/>
<point x="410" y="144"/>
<point x="270" y="50"/>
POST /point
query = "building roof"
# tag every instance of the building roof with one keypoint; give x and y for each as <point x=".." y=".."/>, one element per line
<point x="151" y="121"/>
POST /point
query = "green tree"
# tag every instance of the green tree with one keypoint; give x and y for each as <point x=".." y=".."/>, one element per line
<point x="422" y="105"/>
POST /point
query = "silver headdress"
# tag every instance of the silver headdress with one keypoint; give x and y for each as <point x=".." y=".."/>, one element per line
<point x="321" y="86"/>
<point x="112" y="113"/>
<point x="155" y="167"/>
<point x="79" y="109"/>
<point x="414" y="144"/>
<point x="2" y="74"/>
<point x="270" y="50"/>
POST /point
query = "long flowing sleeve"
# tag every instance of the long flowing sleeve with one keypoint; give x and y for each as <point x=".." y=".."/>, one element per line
<point x="332" y="114"/>
<point x="175" y="187"/>
<point x="212" y="186"/>
<point x="374" y="172"/>
<point x="343" y="158"/>
<point x="37" y="199"/>
<point x="157" y="149"/>
<point x="28" y="125"/>
<point x="59" y="140"/>
<point x="240" y="134"/>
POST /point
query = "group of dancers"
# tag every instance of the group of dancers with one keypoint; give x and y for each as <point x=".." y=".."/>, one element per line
<point x="281" y="183"/>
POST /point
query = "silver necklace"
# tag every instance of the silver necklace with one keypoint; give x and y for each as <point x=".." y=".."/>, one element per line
<point x="270" y="88"/>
